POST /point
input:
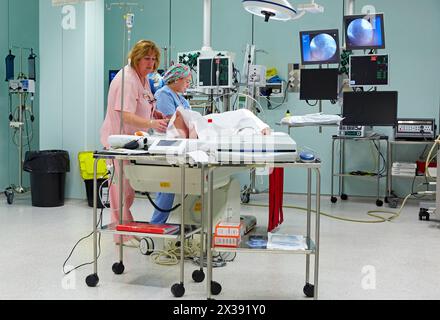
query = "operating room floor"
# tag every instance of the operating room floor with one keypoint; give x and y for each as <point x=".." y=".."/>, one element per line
<point x="391" y="260"/>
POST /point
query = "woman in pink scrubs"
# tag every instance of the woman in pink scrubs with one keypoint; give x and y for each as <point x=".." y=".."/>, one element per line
<point x="138" y="110"/>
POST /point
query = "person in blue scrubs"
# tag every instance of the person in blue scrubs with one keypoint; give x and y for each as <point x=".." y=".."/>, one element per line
<point x="177" y="79"/>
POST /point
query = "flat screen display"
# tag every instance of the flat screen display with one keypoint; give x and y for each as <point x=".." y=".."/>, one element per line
<point x="369" y="70"/>
<point x="319" y="84"/>
<point x="111" y="75"/>
<point x="377" y="108"/>
<point x="207" y="72"/>
<point x="364" y="32"/>
<point x="320" y="46"/>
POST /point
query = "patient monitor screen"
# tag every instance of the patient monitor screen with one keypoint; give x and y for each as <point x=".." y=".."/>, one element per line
<point x="369" y="70"/>
<point x="207" y="72"/>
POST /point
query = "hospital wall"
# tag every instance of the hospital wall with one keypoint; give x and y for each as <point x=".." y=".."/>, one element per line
<point x="411" y="42"/>
<point x="71" y="91"/>
<point x="75" y="63"/>
<point x="18" y="28"/>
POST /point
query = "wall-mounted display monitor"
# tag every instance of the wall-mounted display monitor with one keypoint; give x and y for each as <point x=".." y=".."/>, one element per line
<point x="375" y="108"/>
<point x="364" y="32"/>
<point x="369" y="70"/>
<point x="319" y="84"/>
<point x="320" y="46"/>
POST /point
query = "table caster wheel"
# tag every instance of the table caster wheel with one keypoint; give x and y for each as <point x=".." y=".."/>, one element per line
<point x="379" y="203"/>
<point x="118" y="267"/>
<point x="146" y="246"/>
<point x="344" y="196"/>
<point x="245" y="197"/>
<point x="334" y="199"/>
<point x="92" y="280"/>
<point x="216" y="288"/>
<point x="423" y="213"/>
<point x="309" y="290"/>
<point x="178" y="290"/>
<point x="198" y="275"/>
<point x="9" y="196"/>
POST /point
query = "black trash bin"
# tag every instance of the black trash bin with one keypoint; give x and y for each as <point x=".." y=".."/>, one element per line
<point x="102" y="185"/>
<point x="47" y="170"/>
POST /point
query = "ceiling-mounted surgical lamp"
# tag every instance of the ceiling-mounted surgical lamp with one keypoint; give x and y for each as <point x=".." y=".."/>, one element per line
<point x="271" y="9"/>
<point x="280" y="9"/>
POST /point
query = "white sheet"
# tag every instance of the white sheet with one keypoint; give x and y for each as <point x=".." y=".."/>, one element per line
<point x="238" y="122"/>
<point x="312" y="119"/>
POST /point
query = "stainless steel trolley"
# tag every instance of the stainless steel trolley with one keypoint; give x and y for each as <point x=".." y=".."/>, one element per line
<point x="186" y="231"/>
<point x="343" y="174"/>
<point x="310" y="290"/>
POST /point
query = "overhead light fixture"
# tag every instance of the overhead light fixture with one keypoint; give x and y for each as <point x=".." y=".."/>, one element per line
<point x="272" y="9"/>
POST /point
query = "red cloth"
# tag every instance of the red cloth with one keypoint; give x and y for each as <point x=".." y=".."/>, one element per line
<point x="276" y="190"/>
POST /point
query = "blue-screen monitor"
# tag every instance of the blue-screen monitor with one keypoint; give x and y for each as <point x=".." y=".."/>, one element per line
<point x="320" y="46"/>
<point x="364" y="32"/>
<point x="111" y="75"/>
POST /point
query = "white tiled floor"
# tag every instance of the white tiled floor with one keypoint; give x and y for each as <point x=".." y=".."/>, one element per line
<point x="392" y="260"/>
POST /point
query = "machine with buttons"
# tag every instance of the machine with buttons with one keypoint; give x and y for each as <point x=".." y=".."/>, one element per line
<point x="415" y="129"/>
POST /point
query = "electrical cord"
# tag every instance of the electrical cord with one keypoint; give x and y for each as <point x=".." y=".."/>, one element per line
<point x="99" y="222"/>
<point x="76" y="244"/>
<point x="171" y="256"/>
<point x="312" y="105"/>
<point x="371" y="213"/>
<point x="160" y="209"/>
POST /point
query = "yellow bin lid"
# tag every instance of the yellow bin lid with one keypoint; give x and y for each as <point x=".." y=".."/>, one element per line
<point x="86" y="161"/>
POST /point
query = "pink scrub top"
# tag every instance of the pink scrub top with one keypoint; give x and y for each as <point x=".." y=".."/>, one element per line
<point x="138" y="99"/>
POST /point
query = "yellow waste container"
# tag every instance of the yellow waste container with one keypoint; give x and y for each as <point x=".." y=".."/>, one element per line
<point x="86" y="161"/>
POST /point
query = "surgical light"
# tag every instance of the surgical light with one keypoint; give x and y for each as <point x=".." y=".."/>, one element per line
<point x="271" y="9"/>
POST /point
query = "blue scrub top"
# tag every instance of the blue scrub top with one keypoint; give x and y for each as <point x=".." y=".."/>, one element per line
<point x="167" y="101"/>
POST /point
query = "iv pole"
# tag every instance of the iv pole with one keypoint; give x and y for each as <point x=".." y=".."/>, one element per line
<point x="129" y="20"/>
<point x="18" y="125"/>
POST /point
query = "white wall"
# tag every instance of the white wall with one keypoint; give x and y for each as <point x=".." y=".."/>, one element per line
<point x="71" y="93"/>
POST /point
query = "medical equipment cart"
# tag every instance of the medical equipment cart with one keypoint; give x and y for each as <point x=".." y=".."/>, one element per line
<point x="342" y="174"/>
<point x="312" y="247"/>
<point x="185" y="231"/>
<point x="391" y="156"/>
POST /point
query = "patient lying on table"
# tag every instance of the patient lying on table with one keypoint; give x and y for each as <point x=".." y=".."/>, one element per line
<point x="191" y="124"/>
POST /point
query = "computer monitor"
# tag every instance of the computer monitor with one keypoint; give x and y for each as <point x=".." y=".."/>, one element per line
<point x="318" y="84"/>
<point x="375" y="108"/>
<point x="111" y="75"/>
<point x="369" y="70"/>
<point x="207" y="72"/>
<point x="364" y="32"/>
<point x="320" y="46"/>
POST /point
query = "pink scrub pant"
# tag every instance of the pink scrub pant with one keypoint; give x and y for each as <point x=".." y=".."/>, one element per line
<point x="128" y="194"/>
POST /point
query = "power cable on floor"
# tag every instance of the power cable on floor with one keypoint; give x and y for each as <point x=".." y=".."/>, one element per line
<point x="371" y="213"/>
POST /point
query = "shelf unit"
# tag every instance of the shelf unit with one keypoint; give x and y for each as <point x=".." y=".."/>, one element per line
<point x="393" y="145"/>
<point x="342" y="174"/>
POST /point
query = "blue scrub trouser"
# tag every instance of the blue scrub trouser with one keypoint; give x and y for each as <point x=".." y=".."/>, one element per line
<point x="165" y="202"/>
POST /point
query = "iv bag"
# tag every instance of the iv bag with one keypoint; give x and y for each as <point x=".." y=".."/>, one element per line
<point x="9" y="60"/>
<point x="31" y="66"/>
